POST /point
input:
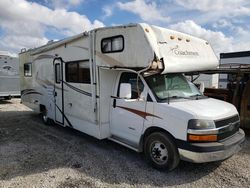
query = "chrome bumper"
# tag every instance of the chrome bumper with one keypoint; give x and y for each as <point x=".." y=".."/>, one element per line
<point x="227" y="148"/>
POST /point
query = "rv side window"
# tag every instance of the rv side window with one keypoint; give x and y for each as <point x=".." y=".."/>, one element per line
<point x="28" y="69"/>
<point x="112" y="44"/>
<point x="78" y="72"/>
<point x="58" y="73"/>
<point x="84" y="72"/>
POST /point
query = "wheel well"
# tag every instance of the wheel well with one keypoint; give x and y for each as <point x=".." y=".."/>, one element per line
<point x="42" y="108"/>
<point x="150" y="131"/>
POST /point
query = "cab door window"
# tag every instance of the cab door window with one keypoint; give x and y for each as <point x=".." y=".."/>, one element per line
<point x="136" y="84"/>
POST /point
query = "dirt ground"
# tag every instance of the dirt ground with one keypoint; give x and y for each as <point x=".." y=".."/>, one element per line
<point x="35" y="155"/>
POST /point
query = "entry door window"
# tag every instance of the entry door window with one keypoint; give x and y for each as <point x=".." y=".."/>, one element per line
<point x="136" y="84"/>
<point x="58" y="73"/>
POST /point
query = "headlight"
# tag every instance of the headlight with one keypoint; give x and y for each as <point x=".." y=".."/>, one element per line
<point x="201" y="131"/>
<point x="199" y="124"/>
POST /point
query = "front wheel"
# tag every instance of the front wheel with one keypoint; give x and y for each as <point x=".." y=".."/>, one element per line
<point x="161" y="151"/>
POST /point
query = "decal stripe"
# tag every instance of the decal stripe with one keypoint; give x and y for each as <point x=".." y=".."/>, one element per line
<point x="77" y="89"/>
<point x="138" y="112"/>
<point x="45" y="83"/>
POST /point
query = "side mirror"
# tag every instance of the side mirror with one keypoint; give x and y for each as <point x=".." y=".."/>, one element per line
<point x="125" y="91"/>
<point x="200" y="86"/>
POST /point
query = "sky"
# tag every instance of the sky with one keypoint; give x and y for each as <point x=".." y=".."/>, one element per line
<point x="32" y="23"/>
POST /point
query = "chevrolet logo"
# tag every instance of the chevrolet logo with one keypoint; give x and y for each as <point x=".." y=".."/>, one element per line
<point x="231" y="126"/>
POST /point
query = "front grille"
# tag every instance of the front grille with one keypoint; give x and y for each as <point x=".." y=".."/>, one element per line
<point x="224" y="122"/>
<point x="230" y="132"/>
<point x="231" y="129"/>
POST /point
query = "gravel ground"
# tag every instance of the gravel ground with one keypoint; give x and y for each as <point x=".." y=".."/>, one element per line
<point x="35" y="155"/>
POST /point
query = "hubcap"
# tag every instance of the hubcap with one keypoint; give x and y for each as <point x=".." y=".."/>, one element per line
<point x="159" y="152"/>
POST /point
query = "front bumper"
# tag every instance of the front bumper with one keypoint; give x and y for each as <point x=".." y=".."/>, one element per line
<point x="213" y="151"/>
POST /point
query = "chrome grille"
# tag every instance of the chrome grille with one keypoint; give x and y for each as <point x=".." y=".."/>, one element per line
<point x="224" y="122"/>
<point x="233" y="125"/>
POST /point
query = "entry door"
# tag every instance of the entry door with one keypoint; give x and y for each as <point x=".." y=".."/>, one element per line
<point x="128" y="115"/>
<point x="58" y="91"/>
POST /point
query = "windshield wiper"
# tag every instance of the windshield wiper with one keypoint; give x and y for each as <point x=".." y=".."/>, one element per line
<point x="182" y="97"/>
<point x="179" y="97"/>
<point x="174" y="97"/>
<point x="197" y="96"/>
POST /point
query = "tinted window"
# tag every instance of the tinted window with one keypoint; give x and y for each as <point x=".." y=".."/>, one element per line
<point x="131" y="78"/>
<point x="28" y="69"/>
<point x="78" y="72"/>
<point x="58" y="73"/>
<point x="71" y="72"/>
<point x="112" y="44"/>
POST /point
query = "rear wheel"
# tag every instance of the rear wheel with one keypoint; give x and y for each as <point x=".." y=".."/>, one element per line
<point x="7" y="98"/>
<point x="45" y="118"/>
<point x="161" y="151"/>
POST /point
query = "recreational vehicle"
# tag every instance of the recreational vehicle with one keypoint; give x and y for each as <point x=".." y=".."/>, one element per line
<point x="126" y="84"/>
<point x="9" y="76"/>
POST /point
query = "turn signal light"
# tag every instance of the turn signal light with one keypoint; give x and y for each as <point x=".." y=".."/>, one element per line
<point x="202" y="138"/>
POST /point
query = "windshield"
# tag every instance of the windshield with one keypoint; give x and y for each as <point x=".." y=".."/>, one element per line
<point x="172" y="86"/>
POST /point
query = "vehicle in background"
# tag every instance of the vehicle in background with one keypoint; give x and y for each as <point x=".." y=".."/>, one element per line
<point x="235" y="60"/>
<point x="221" y="80"/>
<point x="9" y="76"/>
<point x="126" y="84"/>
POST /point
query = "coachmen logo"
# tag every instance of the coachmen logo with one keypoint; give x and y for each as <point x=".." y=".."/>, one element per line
<point x="177" y="51"/>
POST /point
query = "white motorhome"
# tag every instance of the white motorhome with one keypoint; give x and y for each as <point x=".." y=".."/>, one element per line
<point x="9" y="76"/>
<point x="125" y="83"/>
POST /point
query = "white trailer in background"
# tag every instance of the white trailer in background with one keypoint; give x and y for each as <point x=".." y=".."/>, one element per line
<point x="126" y="84"/>
<point x="9" y="76"/>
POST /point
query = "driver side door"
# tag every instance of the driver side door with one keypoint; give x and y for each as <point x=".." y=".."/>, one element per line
<point x="128" y="115"/>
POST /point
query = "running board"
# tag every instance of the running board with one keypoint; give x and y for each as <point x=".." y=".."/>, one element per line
<point x="122" y="143"/>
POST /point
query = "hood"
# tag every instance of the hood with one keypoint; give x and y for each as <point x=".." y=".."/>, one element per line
<point x="208" y="108"/>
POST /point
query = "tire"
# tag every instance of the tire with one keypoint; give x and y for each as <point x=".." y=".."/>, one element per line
<point x="161" y="152"/>
<point x="45" y="118"/>
<point x="7" y="98"/>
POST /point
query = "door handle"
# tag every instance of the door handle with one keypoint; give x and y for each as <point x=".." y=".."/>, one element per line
<point x="55" y="94"/>
<point x="114" y="103"/>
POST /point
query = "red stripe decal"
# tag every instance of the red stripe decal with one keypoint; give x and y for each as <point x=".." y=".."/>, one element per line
<point x="138" y="112"/>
